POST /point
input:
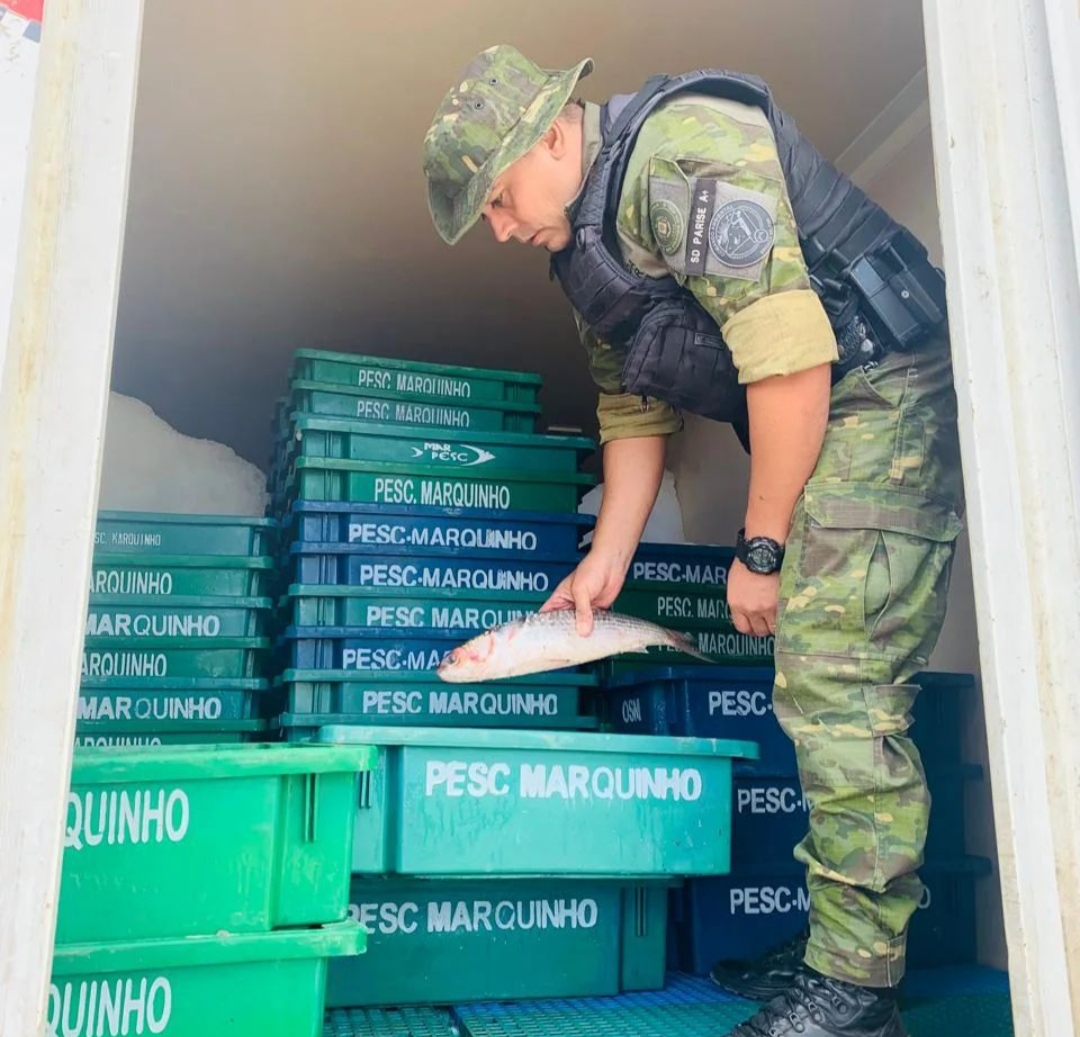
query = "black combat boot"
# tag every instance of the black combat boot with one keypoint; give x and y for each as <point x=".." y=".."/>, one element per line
<point x="817" y="1006"/>
<point x="762" y="979"/>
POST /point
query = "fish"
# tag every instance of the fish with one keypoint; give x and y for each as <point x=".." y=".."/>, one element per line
<point x="544" y="641"/>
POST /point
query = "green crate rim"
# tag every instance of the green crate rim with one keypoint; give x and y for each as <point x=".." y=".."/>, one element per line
<point x="168" y="727"/>
<point x="488" y="475"/>
<point x="333" y="388"/>
<point x="487" y="374"/>
<point x="315" y="722"/>
<point x="314" y="590"/>
<point x="504" y="739"/>
<point x="167" y="685"/>
<point x="335" y="940"/>
<point x="548" y="680"/>
<point x="170" y="518"/>
<point x="142" y="561"/>
<point x="315" y="423"/>
<point x="188" y="644"/>
<point x="114" y="765"/>
<point x="182" y="601"/>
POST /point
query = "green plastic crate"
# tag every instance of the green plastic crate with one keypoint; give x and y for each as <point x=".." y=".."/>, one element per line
<point x="265" y="984"/>
<point x="414" y="377"/>
<point x="183" y="840"/>
<point x="479" y="802"/>
<point x="182" y="576"/>
<point x="723" y="645"/>
<point x="390" y="408"/>
<point x="453" y="941"/>
<point x="149" y="534"/>
<point x="141" y="617"/>
<point x="675" y="607"/>
<point x="348" y="440"/>
<point x="347" y="606"/>
<point x="227" y="658"/>
<point x="419" y="698"/>
<point x="124" y="733"/>
<point x="374" y="482"/>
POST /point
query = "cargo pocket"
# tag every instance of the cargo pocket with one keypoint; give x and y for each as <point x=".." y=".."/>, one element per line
<point x="908" y="541"/>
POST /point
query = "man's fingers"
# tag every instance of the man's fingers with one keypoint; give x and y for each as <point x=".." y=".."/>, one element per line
<point x="742" y="624"/>
<point x="583" y="605"/>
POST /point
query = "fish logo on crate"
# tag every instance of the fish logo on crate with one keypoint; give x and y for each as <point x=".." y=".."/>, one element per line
<point x="459" y="455"/>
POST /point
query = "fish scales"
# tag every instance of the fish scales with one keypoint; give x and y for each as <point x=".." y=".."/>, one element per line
<point x="545" y="641"/>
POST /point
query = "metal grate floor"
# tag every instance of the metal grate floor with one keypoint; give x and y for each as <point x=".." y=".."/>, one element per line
<point x="390" y="1022"/>
<point x="935" y="1005"/>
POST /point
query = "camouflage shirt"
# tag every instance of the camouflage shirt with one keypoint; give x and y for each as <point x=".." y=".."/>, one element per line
<point x="759" y="294"/>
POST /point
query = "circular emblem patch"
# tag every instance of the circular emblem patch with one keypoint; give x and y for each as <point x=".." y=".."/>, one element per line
<point x="741" y="233"/>
<point x="668" y="226"/>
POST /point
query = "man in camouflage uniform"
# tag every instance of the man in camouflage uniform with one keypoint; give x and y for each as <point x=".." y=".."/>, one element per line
<point x="859" y="480"/>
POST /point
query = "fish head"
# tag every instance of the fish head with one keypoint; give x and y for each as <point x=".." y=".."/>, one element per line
<point x="466" y="662"/>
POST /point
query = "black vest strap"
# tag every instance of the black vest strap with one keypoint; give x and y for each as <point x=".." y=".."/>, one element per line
<point x="672" y="349"/>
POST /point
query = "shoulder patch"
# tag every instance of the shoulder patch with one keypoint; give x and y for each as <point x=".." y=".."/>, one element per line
<point x="741" y="233"/>
<point x="668" y="225"/>
<point x="669" y="201"/>
<point x="731" y="230"/>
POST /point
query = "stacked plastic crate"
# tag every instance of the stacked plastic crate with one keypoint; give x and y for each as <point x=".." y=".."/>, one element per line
<point x="764" y="902"/>
<point x="204" y="889"/>
<point x="177" y="646"/>
<point x="503" y="849"/>
<point x="405" y="538"/>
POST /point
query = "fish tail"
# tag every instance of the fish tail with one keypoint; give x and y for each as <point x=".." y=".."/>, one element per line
<point x="685" y="643"/>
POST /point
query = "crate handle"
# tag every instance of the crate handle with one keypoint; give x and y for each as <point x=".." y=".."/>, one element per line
<point x="365" y="790"/>
<point x="310" y="807"/>
<point x="641" y="911"/>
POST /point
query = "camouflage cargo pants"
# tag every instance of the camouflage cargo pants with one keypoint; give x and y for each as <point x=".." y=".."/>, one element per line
<point x="862" y="602"/>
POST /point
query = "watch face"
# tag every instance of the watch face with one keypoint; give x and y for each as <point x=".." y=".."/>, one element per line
<point x="761" y="557"/>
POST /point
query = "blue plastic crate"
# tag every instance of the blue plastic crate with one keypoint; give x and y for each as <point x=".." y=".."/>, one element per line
<point x="363" y="649"/>
<point x="434" y="531"/>
<point x="704" y="701"/>
<point x="938" y="713"/>
<point x="771" y="816"/>
<point x="734" y="917"/>
<point x="701" y="566"/>
<point x="342" y="565"/>
<point x="736" y="702"/>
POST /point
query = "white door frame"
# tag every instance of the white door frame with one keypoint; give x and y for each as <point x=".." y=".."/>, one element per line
<point x="54" y="386"/>
<point x="1003" y="81"/>
<point x="1005" y="111"/>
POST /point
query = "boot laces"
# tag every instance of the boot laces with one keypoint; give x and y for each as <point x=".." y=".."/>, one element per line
<point x="790" y="1012"/>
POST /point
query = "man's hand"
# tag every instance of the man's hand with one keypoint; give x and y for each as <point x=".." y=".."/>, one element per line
<point x="752" y="600"/>
<point x="633" y="471"/>
<point x="595" y="583"/>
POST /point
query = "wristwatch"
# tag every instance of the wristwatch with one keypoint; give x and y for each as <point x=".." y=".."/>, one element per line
<point x="759" y="554"/>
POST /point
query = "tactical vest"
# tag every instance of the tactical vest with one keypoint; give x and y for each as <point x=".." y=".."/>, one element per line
<point x="872" y="276"/>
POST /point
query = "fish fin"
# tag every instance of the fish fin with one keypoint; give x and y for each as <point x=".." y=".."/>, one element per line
<point x="685" y="643"/>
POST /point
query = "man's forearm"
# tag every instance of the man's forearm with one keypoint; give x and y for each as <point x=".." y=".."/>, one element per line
<point x="633" y="472"/>
<point x="788" y="416"/>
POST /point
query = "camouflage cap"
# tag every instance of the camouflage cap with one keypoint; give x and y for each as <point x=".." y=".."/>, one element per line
<point x="502" y="106"/>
